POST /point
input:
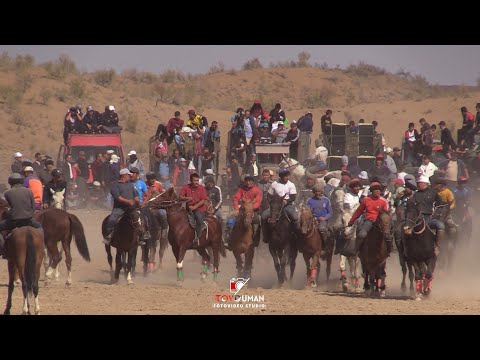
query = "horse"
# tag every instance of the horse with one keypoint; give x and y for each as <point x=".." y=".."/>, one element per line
<point x="61" y="226"/>
<point x="419" y="247"/>
<point x="281" y="244"/>
<point x="242" y="239"/>
<point x="374" y="253"/>
<point x="24" y="252"/>
<point x="125" y="239"/>
<point x="399" y="242"/>
<point x="58" y="199"/>
<point x="157" y="237"/>
<point x="310" y="245"/>
<point x="181" y="234"/>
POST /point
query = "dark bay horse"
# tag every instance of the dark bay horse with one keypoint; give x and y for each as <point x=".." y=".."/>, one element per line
<point x="419" y="247"/>
<point x="181" y="234"/>
<point x="374" y="253"/>
<point x="242" y="239"/>
<point x="281" y="240"/>
<point x="125" y="239"/>
<point x="399" y="242"/>
<point x="61" y="226"/>
<point x="310" y="245"/>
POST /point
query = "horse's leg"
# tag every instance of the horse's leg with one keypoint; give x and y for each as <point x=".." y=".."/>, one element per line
<point x="306" y="258"/>
<point x="163" y="246"/>
<point x="411" y="276"/>
<point x="276" y="263"/>
<point x="131" y="257"/>
<point x="249" y="261"/>
<point x="57" y="269"/>
<point x="145" y="258"/>
<point x="108" y="249"/>
<point x="205" y="262"/>
<point x="355" y="261"/>
<point x="38" y="267"/>
<point x="315" y="260"/>
<point x="403" y="264"/>
<point x="239" y="261"/>
<point x="180" y="256"/>
<point x="329" y="265"/>
<point x="68" y="260"/>
<point x="293" y="253"/>
<point x="124" y="260"/>
<point x="418" y="281"/>
<point x="118" y="265"/>
<point x="21" y="272"/>
<point x="284" y="255"/>
<point x="429" y="275"/>
<point x="54" y="260"/>
<point x="216" y="262"/>
<point x="11" y="286"/>
<point x="382" y="276"/>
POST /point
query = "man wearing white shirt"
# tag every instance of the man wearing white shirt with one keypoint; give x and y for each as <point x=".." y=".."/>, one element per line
<point x="427" y="168"/>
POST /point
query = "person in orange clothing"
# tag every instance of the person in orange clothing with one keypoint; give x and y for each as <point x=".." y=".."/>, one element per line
<point x="371" y="206"/>
<point x="249" y="191"/>
<point x="33" y="183"/>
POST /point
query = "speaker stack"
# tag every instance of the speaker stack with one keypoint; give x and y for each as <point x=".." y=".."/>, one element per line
<point x="338" y="139"/>
<point x="335" y="163"/>
<point x="365" y="140"/>
<point x="365" y="162"/>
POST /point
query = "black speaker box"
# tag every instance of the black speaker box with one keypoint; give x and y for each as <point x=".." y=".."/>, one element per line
<point x="337" y="149"/>
<point x="366" y="150"/>
<point x="365" y="140"/>
<point x="339" y="129"/>
<point x="338" y="139"/>
<point x="365" y="162"/>
<point x="365" y="129"/>
<point x="335" y="163"/>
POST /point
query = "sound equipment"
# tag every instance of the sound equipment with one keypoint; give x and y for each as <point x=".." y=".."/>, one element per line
<point x="339" y="129"/>
<point x="334" y="163"/>
<point x="365" y="130"/>
<point x="365" y="162"/>
<point x="366" y="150"/>
<point x="337" y="149"/>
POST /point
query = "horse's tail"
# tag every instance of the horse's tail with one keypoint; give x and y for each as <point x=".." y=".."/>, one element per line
<point x="76" y="230"/>
<point x="30" y="262"/>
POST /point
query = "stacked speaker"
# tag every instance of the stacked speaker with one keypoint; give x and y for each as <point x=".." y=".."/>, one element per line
<point x="337" y="139"/>
<point x="365" y="140"/>
<point x="342" y="142"/>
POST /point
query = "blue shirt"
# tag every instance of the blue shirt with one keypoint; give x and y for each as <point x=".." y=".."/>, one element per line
<point x="305" y="123"/>
<point x="164" y="169"/>
<point x="140" y="188"/>
<point x="320" y="207"/>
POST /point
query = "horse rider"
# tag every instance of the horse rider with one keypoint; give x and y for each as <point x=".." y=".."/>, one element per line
<point x="53" y="186"/>
<point x="22" y="208"/>
<point x="264" y="184"/>
<point x="284" y="187"/>
<point x="155" y="188"/>
<point x="448" y="198"/>
<point x="124" y="196"/>
<point x="425" y="200"/>
<point x="322" y="211"/>
<point x="196" y="197"/>
<point x="249" y="191"/>
<point x="371" y="205"/>
<point x="215" y="195"/>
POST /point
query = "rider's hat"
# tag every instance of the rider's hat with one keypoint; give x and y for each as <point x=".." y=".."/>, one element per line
<point x="283" y="172"/>
<point x="375" y="186"/>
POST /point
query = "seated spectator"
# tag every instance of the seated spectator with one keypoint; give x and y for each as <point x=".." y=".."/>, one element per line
<point x="173" y="125"/>
<point x="292" y="139"/>
<point x="277" y="114"/>
<point x="206" y="161"/>
<point x="181" y="175"/>
<point x="447" y="141"/>
<point x="110" y="121"/>
<point x="164" y="172"/>
<point x="280" y="134"/>
<point x="179" y="142"/>
<point x="92" y="119"/>
<point x="196" y="121"/>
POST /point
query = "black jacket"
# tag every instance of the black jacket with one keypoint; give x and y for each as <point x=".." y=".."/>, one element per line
<point x="426" y="200"/>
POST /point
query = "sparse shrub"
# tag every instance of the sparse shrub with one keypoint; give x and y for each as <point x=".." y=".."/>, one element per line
<point x="318" y="97"/>
<point x="323" y="66"/>
<point x="5" y="61"/>
<point x="24" y="81"/>
<point x="252" y="64"/>
<point x="24" y="62"/>
<point x="303" y="58"/>
<point x="170" y="76"/>
<point x="219" y="68"/>
<point x="365" y="70"/>
<point x="232" y="72"/>
<point x="12" y="96"/>
<point x="131" y="121"/>
<point x="60" y="95"/>
<point x="45" y="95"/>
<point x="333" y="79"/>
<point x="61" y="68"/>
<point x="18" y="119"/>
<point x="77" y="88"/>
<point x="104" y="77"/>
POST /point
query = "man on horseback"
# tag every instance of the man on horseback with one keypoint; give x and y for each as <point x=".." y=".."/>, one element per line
<point x="53" y="186"/>
<point x="249" y="191"/>
<point x="425" y="200"/>
<point x="322" y="211"/>
<point x="284" y="187"/>
<point x="448" y="198"/>
<point x="124" y="196"/>
<point x="155" y="188"/>
<point x="196" y="197"/>
<point x="264" y="185"/>
<point x="371" y="205"/>
<point x="22" y="208"/>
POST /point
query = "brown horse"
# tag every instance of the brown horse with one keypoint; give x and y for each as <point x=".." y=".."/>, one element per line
<point x="374" y="253"/>
<point x="310" y="245"/>
<point x="61" y="226"/>
<point x="24" y="251"/>
<point x="125" y="239"/>
<point x="242" y="239"/>
<point x="181" y="234"/>
<point x="158" y="238"/>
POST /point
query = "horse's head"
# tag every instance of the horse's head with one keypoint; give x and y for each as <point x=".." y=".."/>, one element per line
<point x="136" y="220"/>
<point x="248" y="213"/>
<point x="163" y="200"/>
<point x="306" y="220"/>
<point x="57" y="198"/>
<point x="384" y="222"/>
<point x="276" y="207"/>
<point x="412" y="217"/>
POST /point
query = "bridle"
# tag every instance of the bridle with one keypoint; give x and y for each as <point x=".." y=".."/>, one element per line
<point x="310" y="224"/>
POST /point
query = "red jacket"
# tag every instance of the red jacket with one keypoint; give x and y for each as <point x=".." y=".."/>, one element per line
<point x="254" y="194"/>
<point x="372" y="207"/>
<point x="197" y="194"/>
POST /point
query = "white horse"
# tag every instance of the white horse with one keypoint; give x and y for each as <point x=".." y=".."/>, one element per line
<point x="58" y="199"/>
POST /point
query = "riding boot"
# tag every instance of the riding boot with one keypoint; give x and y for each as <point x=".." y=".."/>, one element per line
<point x="323" y="236"/>
<point x="358" y="244"/>
<point x="256" y="235"/>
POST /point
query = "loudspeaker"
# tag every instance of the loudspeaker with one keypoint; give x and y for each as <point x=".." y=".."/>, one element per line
<point x="365" y="162"/>
<point x="338" y="139"/>
<point x="339" y="129"/>
<point x="337" y="149"/>
<point x="368" y="139"/>
<point x="334" y="163"/>
<point x="366" y="150"/>
<point x="365" y="129"/>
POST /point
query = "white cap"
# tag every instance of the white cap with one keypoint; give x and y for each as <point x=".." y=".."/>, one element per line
<point x="114" y="159"/>
<point x="96" y="183"/>
<point x="17" y="154"/>
<point x="125" y="171"/>
<point x="110" y="152"/>
<point x="111" y="107"/>
<point x="363" y="175"/>
<point x="388" y="150"/>
<point x="28" y="168"/>
<point x="132" y="152"/>
<point x="209" y="172"/>
<point x="423" y="179"/>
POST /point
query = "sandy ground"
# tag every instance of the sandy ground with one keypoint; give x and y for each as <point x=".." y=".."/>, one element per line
<point x="91" y="292"/>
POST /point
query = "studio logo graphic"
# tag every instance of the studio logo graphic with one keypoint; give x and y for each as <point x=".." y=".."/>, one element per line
<point x="237" y="284"/>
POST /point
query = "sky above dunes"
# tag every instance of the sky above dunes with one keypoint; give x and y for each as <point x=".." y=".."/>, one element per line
<point x="440" y="64"/>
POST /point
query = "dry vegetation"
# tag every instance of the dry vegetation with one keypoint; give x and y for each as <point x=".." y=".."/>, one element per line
<point x="34" y="97"/>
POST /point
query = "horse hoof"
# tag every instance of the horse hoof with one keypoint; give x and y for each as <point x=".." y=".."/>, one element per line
<point x="37" y="312"/>
<point x="383" y="294"/>
<point x="418" y="296"/>
<point x="179" y="283"/>
<point x="313" y="284"/>
<point x="68" y="285"/>
<point x="358" y="290"/>
<point x="345" y="287"/>
<point x="18" y="283"/>
<point x="130" y="283"/>
<point x="46" y="283"/>
<point x="6" y="312"/>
